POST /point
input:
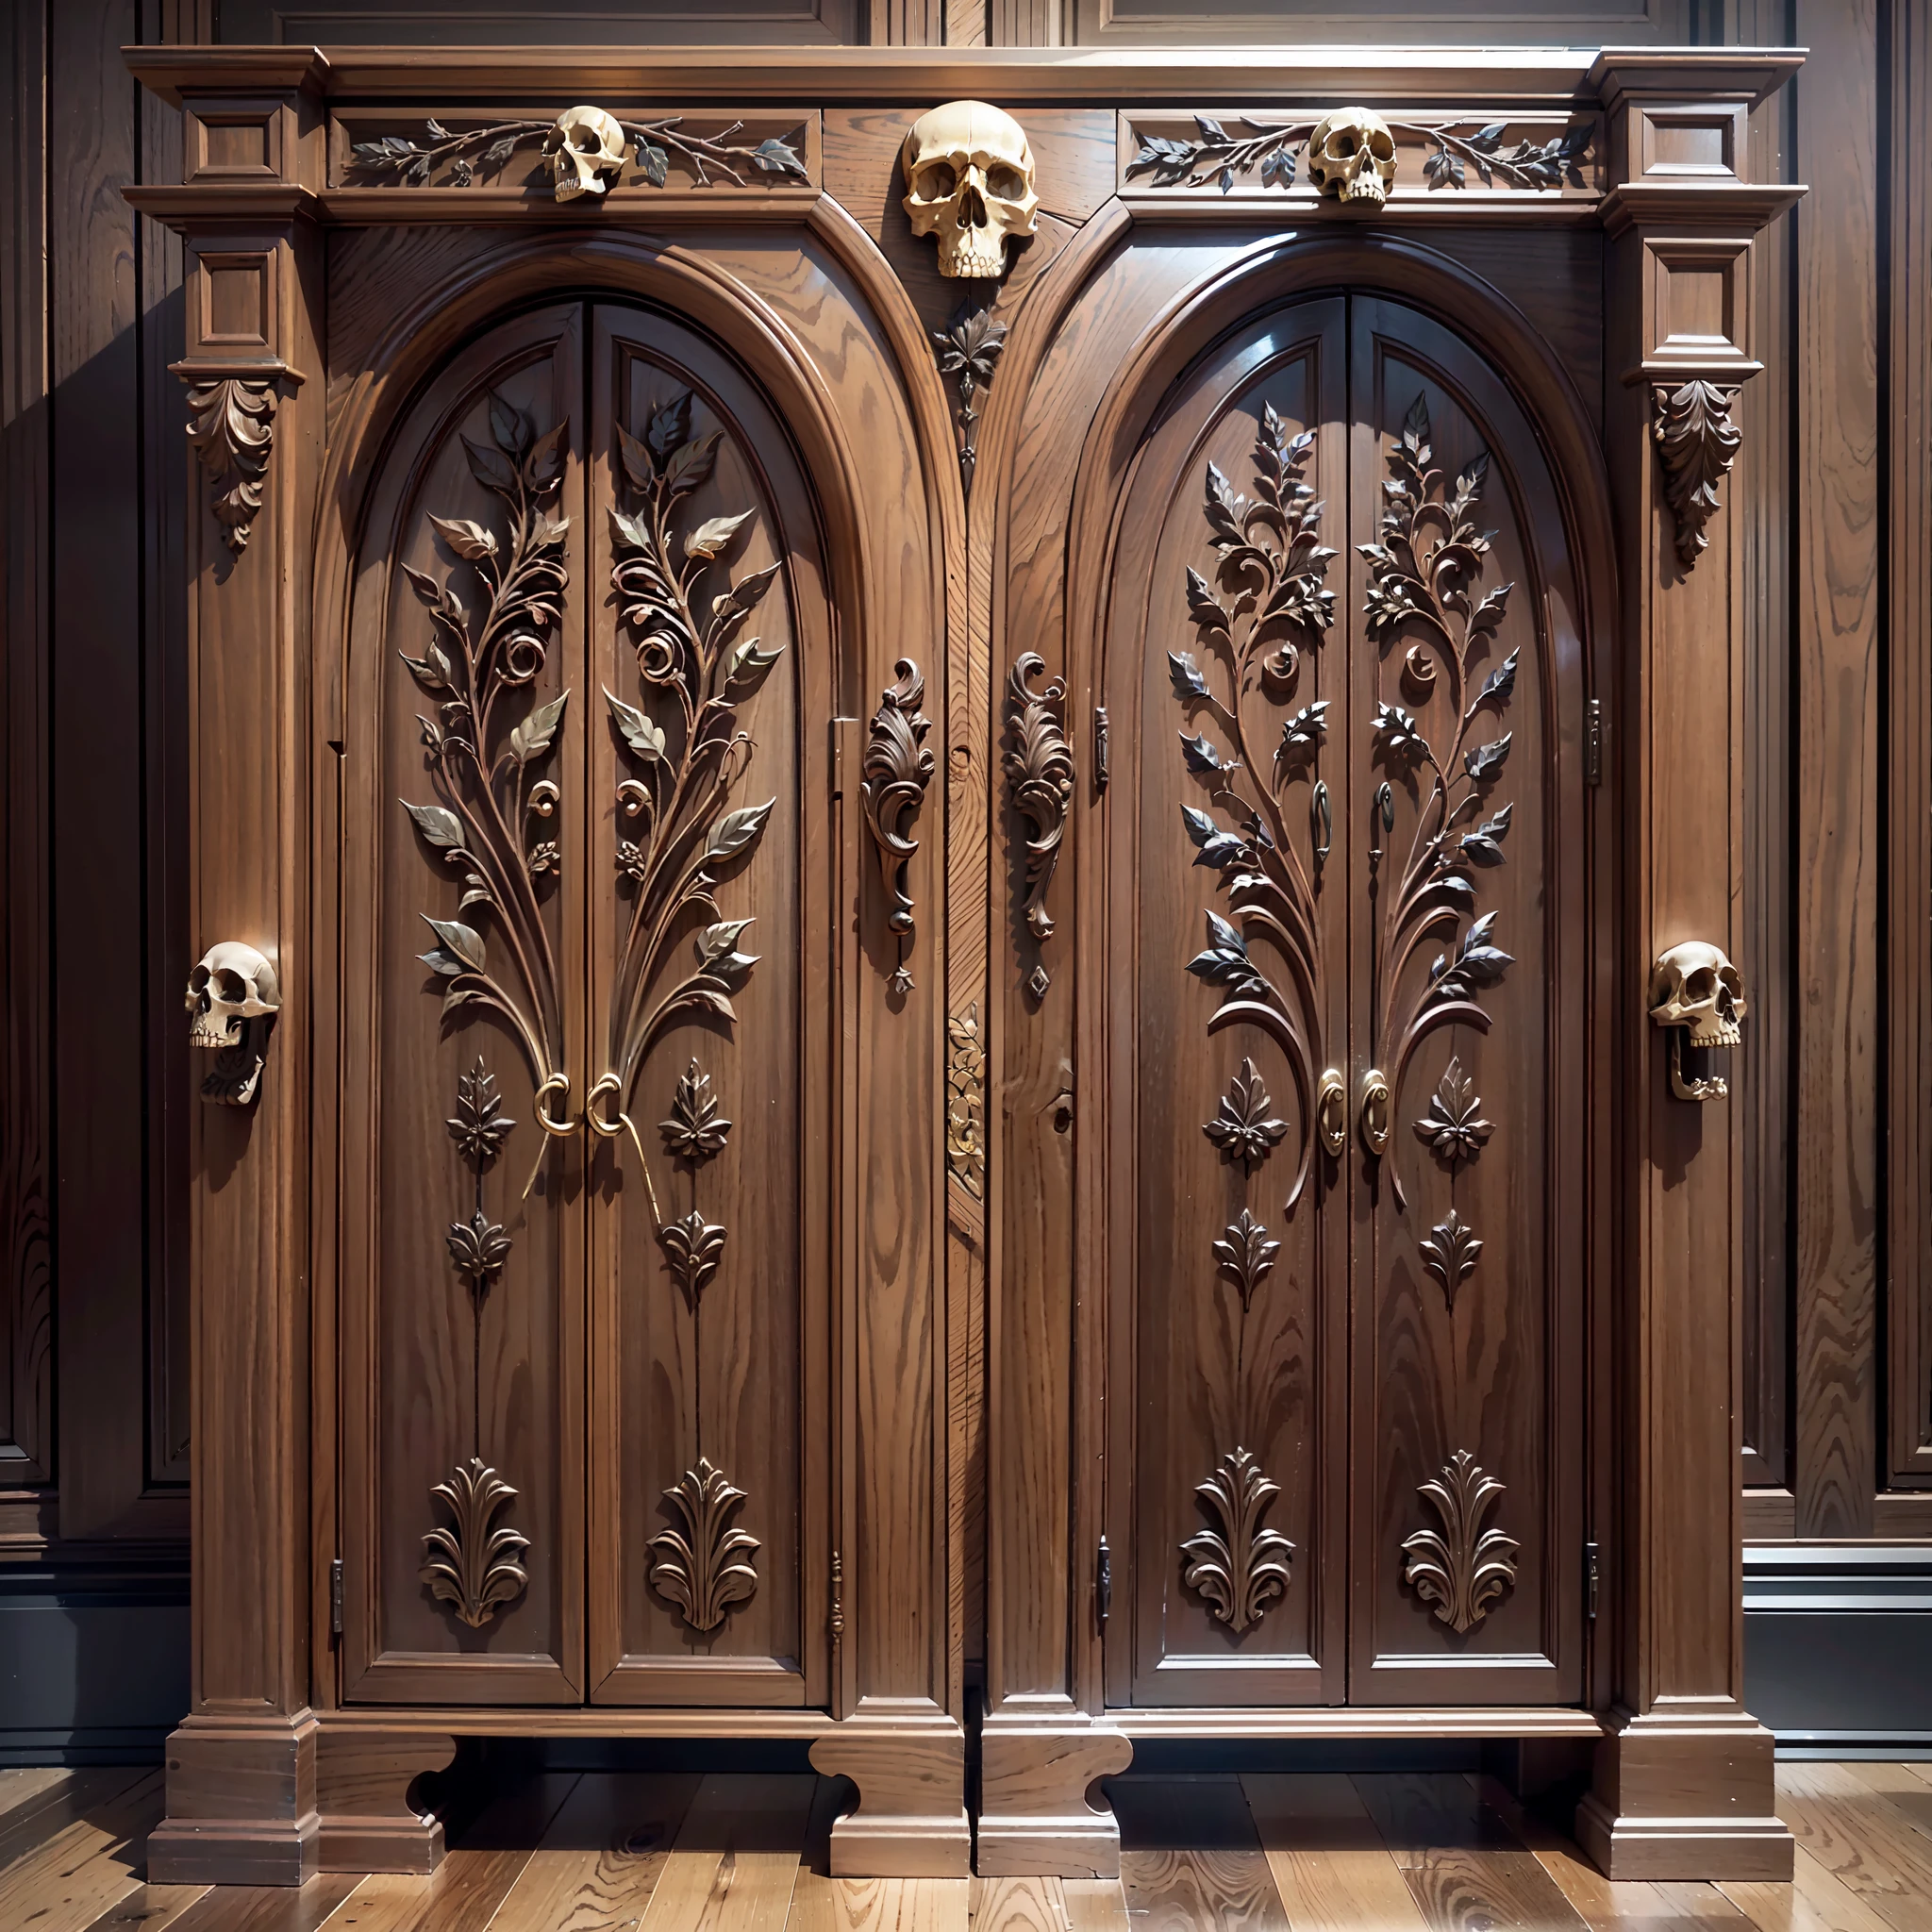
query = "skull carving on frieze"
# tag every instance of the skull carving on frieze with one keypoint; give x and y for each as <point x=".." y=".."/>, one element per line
<point x="969" y="178"/>
<point x="585" y="145"/>
<point x="233" y="997"/>
<point x="1352" y="156"/>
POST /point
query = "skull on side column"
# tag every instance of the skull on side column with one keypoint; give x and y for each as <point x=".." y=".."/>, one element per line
<point x="969" y="178"/>
<point x="233" y="997"/>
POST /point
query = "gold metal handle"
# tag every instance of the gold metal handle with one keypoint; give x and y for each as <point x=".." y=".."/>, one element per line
<point x="1331" y="1112"/>
<point x="606" y="1083"/>
<point x="1375" y="1111"/>
<point x="558" y="1083"/>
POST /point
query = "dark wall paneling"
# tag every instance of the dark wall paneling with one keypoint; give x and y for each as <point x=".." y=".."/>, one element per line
<point x="1909" y="1192"/>
<point x="26" y="1310"/>
<point x="1836" y="643"/>
<point x="581" y="24"/>
<point x="1392" y="22"/>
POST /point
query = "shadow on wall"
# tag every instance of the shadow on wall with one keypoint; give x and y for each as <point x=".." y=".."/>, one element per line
<point x="90" y="1673"/>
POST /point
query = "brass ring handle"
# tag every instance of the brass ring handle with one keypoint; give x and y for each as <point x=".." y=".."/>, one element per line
<point x="558" y="1083"/>
<point x="606" y="1083"/>
<point x="1331" y="1112"/>
<point x="1375" y="1111"/>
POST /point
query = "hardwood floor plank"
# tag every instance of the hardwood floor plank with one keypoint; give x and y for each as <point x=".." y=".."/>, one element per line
<point x="63" y="1797"/>
<point x="1016" y="1905"/>
<point x="1329" y="1864"/>
<point x="823" y="1904"/>
<point x="1904" y="1791"/>
<point x="1816" y="1902"/>
<point x="65" y="1883"/>
<point x="736" y="1859"/>
<point x="1861" y="1839"/>
<point x="602" y="1855"/>
<point x="149" y="1908"/>
<point x="1465" y="1868"/>
<point x="1094" y="1905"/>
<point x="1191" y="1858"/>
<point x="1921" y="1768"/>
<point x="21" y="1783"/>
<point x="1624" y="1906"/>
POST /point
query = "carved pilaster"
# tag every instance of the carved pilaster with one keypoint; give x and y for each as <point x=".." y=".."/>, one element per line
<point x="1698" y="442"/>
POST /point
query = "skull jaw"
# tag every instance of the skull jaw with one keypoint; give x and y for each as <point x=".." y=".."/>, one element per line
<point x="1365" y="186"/>
<point x="1715" y="1031"/>
<point x="972" y="253"/>
<point x="572" y="181"/>
<point x="212" y="1032"/>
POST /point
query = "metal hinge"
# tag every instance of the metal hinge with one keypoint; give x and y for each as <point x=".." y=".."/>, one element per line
<point x="1593" y="741"/>
<point x="335" y="1598"/>
<point x="1102" y="1583"/>
<point x="838" y="1602"/>
<point x="1100" y="747"/>
<point x="1591" y="1579"/>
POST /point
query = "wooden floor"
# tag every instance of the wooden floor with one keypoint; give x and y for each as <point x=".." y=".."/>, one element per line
<point x="663" y="1852"/>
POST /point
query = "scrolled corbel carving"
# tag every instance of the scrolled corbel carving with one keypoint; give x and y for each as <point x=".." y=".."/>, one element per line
<point x="232" y="429"/>
<point x="1698" y="442"/>
<point x="1039" y="764"/>
<point x="233" y="997"/>
<point x="897" y="769"/>
<point x="1695" y="992"/>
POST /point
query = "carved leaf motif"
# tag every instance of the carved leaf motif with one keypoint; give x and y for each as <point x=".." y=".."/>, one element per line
<point x="231" y="427"/>
<point x="480" y="1126"/>
<point x="965" y="1082"/>
<point x="695" y="1130"/>
<point x="897" y="768"/>
<point x="1243" y="1568"/>
<point x="1039" y="764"/>
<point x="1241" y="1127"/>
<point x="968" y="352"/>
<point x="1245" y="1255"/>
<point x="473" y="1568"/>
<point x="1453" y="1125"/>
<point x="1465" y="1568"/>
<point x="706" y="1568"/>
<point x="1449" y="1252"/>
<point x="1698" y="442"/>
<point x="693" y="1247"/>
<point x="479" y="1247"/>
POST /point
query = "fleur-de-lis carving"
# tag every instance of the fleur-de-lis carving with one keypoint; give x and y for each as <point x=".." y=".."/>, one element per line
<point x="1245" y="1253"/>
<point x="470" y="1566"/>
<point x="1241" y="1127"/>
<point x="1242" y="1568"/>
<point x="1449" y="1252"/>
<point x="693" y="1247"/>
<point x="897" y="768"/>
<point x="1465" y="1568"/>
<point x="707" y="1567"/>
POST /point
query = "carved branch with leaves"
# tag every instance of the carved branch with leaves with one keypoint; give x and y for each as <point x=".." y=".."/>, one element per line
<point x="1266" y="601"/>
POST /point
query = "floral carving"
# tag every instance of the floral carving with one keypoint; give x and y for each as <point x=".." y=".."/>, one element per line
<point x="897" y="769"/>
<point x="1424" y="584"/>
<point x="231" y="427"/>
<point x="1039" y="764"/>
<point x="470" y="1566"/>
<point x="968" y="352"/>
<point x="1453" y="1125"/>
<point x="706" y="1568"/>
<point x="397" y="160"/>
<point x="695" y="1130"/>
<point x="1267" y="603"/>
<point x="1241" y="1568"/>
<point x="480" y="1126"/>
<point x="1698" y="442"/>
<point x="1449" y="1252"/>
<point x="965" y="1101"/>
<point x="1271" y="150"/>
<point x="693" y="1247"/>
<point x="1465" y="1568"/>
<point x="1241" y="1128"/>
<point x="1244" y="1255"/>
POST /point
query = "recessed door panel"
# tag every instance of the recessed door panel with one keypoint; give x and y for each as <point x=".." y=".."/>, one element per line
<point x="462" y="957"/>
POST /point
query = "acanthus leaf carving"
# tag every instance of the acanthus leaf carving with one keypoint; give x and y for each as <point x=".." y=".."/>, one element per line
<point x="231" y="427"/>
<point x="1039" y="765"/>
<point x="1242" y="1568"/>
<point x="965" y="1101"/>
<point x="897" y="768"/>
<point x="1453" y="1125"/>
<point x="696" y="1131"/>
<point x="1245" y="1255"/>
<point x="1462" y="1569"/>
<point x="1698" y="442"/>
<point x="706" y="1567"/>
<point x="1241" y="1127"/>
<point x="1268" y="602"/>
<point x="1449" y="1252"/>
<point x="968" y="352"/>
<point x="470" y="1566"/>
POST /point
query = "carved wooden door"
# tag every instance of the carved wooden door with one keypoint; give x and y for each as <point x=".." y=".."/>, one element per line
<point x="587" y="985"/>
<point x="1342" y="678"/>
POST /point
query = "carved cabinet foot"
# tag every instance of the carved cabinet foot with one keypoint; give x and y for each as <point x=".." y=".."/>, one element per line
<point x="1684" y="1797"/>
<point x="1035" y="1818"/>
<point x="909" y="1761"/>
<point x="241" y="1804"/>
<point x="364" y="1784"/>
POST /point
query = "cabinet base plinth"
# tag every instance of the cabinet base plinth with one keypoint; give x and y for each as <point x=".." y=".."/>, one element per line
<point x="1035" y="1818"/>
<point x="364" y="1786"/>
<point x="909" y="1764"/>
<point x="241" y="1804"/>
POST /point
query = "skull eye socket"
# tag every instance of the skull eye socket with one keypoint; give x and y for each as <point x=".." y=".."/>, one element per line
<point x="1341" y="144"/>
<point x="1006" y="183"/>
<point x="1701" y="986"/>
<point x="198" y="981"/>
<point x="936" y="181"/>
<point x="1381" y="146"/>
<point x="230" y="987"/>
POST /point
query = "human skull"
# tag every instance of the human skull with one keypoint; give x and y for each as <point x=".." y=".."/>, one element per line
<point x="969" y="175"/>
<point x="1352" y="156"/>
<point x="230" y="983"/>
<point x="1695" y="985"/>
<point x="584" y="147"/>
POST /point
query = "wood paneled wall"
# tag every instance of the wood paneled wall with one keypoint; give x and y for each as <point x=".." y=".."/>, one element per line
<point x="1836" y="478"/>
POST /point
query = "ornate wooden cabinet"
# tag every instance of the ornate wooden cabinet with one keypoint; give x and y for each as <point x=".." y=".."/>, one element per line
<point x="908" y="985"/>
